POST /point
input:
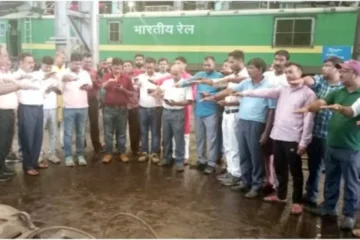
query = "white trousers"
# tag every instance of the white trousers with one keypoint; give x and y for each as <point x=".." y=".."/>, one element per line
<point x="230" y="131"/>
<point x="187" y="146"/>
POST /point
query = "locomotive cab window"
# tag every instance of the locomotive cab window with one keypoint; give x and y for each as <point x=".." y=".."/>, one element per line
<point x="2" y="29"/>
<point x="114" y="30"/>
<point x="294" y="32"/>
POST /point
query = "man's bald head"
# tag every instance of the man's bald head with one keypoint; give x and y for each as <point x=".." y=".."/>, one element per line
<point x="176" y="72"/>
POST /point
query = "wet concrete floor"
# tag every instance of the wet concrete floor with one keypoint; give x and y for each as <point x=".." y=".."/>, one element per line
<point x="188" y="205"/>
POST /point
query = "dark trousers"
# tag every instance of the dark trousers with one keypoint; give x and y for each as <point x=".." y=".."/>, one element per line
<point x="316" y="153"/>
<point x="219" y="133"/>
<point x="7" y="131"/>
<point x="134" y="129"/>
<point x="342" y="163"/>
<point x="285" y="157"/>
<point x="31" y="118"/>
<point x="94" y="123"/>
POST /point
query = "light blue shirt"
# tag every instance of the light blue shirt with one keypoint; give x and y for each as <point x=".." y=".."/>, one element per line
<point x="205" y="108"/>
<point x="251" y="108"/>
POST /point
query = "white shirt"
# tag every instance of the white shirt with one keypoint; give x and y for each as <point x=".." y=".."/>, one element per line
<point x="276" y="80"/>
<point x="10" y="100"/>
<point x="33" y="96"/>
<point x="161" y="75"/>
<point x="177" y="94"/>
<point x="73" y="96"/>
<point x="50" y="99"/>
<point x="356" y="107"/>
<point x="146" y="100"/>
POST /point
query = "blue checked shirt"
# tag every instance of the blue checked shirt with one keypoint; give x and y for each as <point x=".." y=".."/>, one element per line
<point x="321" y="89"/>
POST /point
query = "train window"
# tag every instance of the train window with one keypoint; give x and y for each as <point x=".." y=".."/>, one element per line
<point x="114" y="30"/>
<point x="2" y="29"/>
<point x="293" y="32"/>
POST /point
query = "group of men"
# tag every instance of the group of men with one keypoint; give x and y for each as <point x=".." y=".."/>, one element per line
<point x="263" y="120"/>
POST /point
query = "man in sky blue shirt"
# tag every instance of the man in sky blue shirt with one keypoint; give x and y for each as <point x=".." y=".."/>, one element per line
<point x="254" y="115"/>
<point x="206" y="117"/>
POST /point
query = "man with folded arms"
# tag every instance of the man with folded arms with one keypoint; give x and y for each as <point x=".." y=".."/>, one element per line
<point x="342" y="147"/>
<point x="75" y="84"/>
<point x="119" y="90"/>
<point x="291" y="133"/>
<point x="50" y="107"/>
<point x="175" y="101"/>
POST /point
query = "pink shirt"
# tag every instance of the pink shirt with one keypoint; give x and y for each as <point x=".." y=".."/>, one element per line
<point x="289" y="126"/>
<point x="73" y="96"/>
<point x="188" y="108"/>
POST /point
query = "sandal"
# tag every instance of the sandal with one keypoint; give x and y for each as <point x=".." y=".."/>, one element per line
<point x="32" y="172"/>
<point x="42" y="166"/>
<point x="274" y="199"/>
<point x="296" y="209"/>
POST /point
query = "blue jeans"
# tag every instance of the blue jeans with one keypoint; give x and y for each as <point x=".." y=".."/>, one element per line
<point x="51" y="121"/>
<point x="206" y="128"/>
<point x="149" y="122"/>
<point x="77" y="117"/>
<point x="251" y="154"/>
<point x="173" y="126"/>
<point x="341" y="163"/>
<point x="316" y="152"/>
<point x="115" y="122"/>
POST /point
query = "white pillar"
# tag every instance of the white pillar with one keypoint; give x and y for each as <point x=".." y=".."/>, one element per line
<point x="62" y="27"/>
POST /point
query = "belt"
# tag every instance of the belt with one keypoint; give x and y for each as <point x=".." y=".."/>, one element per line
<point x="174" y="110"/>
<point x="231" y="111"/>
<point x="151" y="107"/>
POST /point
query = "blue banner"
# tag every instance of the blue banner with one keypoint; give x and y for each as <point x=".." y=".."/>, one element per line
<point x="343" y="52"/>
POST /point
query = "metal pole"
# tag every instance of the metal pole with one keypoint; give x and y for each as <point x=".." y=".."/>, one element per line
<point x="62" y="28"/>
<point x="94" y="19"/>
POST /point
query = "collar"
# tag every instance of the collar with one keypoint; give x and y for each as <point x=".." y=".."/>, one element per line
<point x="258" y="84"/>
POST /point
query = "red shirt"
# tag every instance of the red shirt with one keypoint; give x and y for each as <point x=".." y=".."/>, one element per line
<point x="114" y="96"/>
<point x="137" y="72"/>
<point x="96" y="83"/>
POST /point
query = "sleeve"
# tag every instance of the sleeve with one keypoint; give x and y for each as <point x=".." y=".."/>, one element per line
<point x="317" y="82"/>
<point x="88" y="79"/>
<point x="271" y="103"/>
<point x="189" y="94"/>
<point x="272" y="93"/>
<point x="306" y="135"/>
<point x="161" y="80"/>
<point x="239" y="87"/>
<point x="356" y="107"/>
<point x="330" y="98"/>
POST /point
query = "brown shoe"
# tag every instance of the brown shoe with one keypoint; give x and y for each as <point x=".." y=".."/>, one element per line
<point x="124" y="158"/>
<point x="155" y="158"/>
<point x="107" y="158"/>
<point x="143" y="157"/>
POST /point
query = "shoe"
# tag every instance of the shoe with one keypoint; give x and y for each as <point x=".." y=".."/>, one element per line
<point x="201" y="166"/>
<point x="53" y="159"/>
<point x="155" y="158"/>
<point x="4" y="178"/>
<point x="347" y="223"/>
<point x="124" y="158"/>
<point x="232" y="181"/>
<point x="321" y="212"/>
<point x="224" y="176"/>
<point x="180" y="168"/>
<point x="209" y="170"/>
<point x="252" y="193"/>
<point x="306" y="201"/>
<point x="143" y="157"/>
<point x="12" y="158"/>
<point x="274" y="199"/>
<point x="8" y="172"/>
<point x="81" y="161"/>
<point x="164" y="163"/>
<point x="69" y="162"/>
<point x="107" y="158"/>
<point x="242" y="187"/>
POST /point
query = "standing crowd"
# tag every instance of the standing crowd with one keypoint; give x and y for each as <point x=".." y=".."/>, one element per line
<point x="260" y="121"/>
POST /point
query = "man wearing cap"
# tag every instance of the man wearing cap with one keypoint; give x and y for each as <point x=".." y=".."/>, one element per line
<point x="342" y="146"/>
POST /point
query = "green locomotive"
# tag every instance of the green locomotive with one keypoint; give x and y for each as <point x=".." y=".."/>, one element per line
<point x="309" y="34"/>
